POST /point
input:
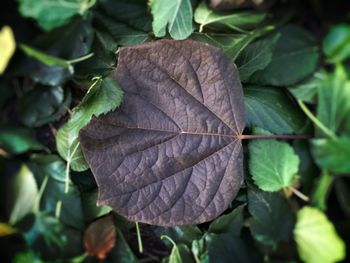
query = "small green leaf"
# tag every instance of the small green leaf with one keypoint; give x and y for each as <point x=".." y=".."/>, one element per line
<point x="229" y="223"/>
<point x="53" y="13"/>
<point x="43" y="104"/>
<point x="273" y="164"/>
<point x="333" y="105"/>
<point x="43" y="57"/>
<point x="25" y="257"/>
<point x="316" y="237"/>
<point x="270" y="109"/>
<point x="179" y="253"/>
<point x="18" y="140"/>
<point x="103" y="96"/>
<point x="176" y="15"/>
<point x="333" y="153"/>
<point x="307" y="90"/>
<point x="238" y="21"/>
<point x="294" y="58"/>
<point x="8" y="47"/>
<point x="272" y="219"/>
<point x="24" y="192"/>
<point x="255" y="57"/>
<point x="336" y="44"/>
<point x="226" y="247"/>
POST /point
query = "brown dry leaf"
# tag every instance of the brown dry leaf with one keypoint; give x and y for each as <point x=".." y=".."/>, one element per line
<point x="172" y="153"/>
<point x="100" y="237"/>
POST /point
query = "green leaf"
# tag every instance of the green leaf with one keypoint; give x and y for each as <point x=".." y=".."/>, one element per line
<point x="18" y="140"/>
<point x="179" y="253"/>
<point x="8" y="47"/>
<point x="230" y="223"/>
<point x="28" y="256"/>
<point x="332" y="154"/>
<point x="271" y="109"/>
<point x="316" y="237"/>
<point x="23" y="194"/>
<point x="237" y="21"/>
<point x="199" y="251"/>
<point x="43" y="104"/>
<point x="122" y="252"/>
<point x="255" y="57"/>
<point x="44" y="58"/>
<point x="333" y="105"/>
<point x="343" y="195"/>
<point x="336" y="44"/>
<point x="52" y="13"/>
<point x="272" y="219"/>
<point x="273" y="164"/>
<point x="90" y="209"/>
<point x="103" y="96"/>
<point x="294" y="58"/>
<point x="67" y="206"/>
<point x="174" y="15"/>
<point x="307" y="90"/>
<point x="225" y="247"/>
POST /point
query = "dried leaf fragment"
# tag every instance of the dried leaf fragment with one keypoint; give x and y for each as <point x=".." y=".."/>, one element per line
<point x="100" y="237"/>
<point x="171" y="154"/>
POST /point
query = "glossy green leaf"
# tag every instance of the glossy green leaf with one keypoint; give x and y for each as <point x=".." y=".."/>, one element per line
<point x="307" y="90"/>
<point x="237" y="21"/>
<point x="272" y="219"/>
<point x="43" y="104"/>
<point x="229" y="223"/>
<point x="18" y="140"/>
<point x="271" y="109"/>
<point x="174" y="15"/>
<point x="336" y="44"/>
<point x="255" y="57"/>
<point x="273" y="164"/>
<point x="52" y="13"/>
<point x="225" y="247"/>
<point x="295" y="57"/>
<point x="103" y="96"/>
<point x="316" y="237"/>
<point x="333" y="153"/>
<point x="23" y="194"/>
<point x="333" y="105"/>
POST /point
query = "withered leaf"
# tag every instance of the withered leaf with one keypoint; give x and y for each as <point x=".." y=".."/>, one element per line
<point x="100" y="237"/>
<point x="171" y="154"/>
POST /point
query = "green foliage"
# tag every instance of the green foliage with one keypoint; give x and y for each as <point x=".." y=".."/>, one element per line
<point x="239" y="21"/>
<point x="25" y="191"/>
<point x="295" y="57"/>
<point x="272" y="219"/>
<point x="336" y="44"/>
<point x="18" y="140"/>
<point x="273" y="164"/>
<point x="316" y="237"/>
<point x="270" y="109"/>
<point x="296" y="81"/>
<point x="103" y="96"/>
<point x="52" y="13"/>
<point x="174" y="15"/>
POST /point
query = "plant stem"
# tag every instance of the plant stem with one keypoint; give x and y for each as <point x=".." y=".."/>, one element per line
<point x="322" y="189"/>
<point x="139" y="240"/>
<point x="299" y="194"/>
<point x="276" y="136"/>
<point x="316" y="121"/>
<point x="58" y="209"/>
<point x="36" y="206"/>
<point x="76" y="60"/>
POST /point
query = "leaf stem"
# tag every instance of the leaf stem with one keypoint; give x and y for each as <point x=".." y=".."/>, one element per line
<point x="36" y="206"/>
<point x="79" y="59"/>
<point x="58" y="209"/>
<point x="139" y="240"/>
<point x="275" y="136"/>
<point x="316" y="121"/>
<point x="299" y="194"/>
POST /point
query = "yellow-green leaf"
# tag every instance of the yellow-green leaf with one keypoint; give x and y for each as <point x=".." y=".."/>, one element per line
<point x="316" y="237"/>
<point x="8" y="47"/>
